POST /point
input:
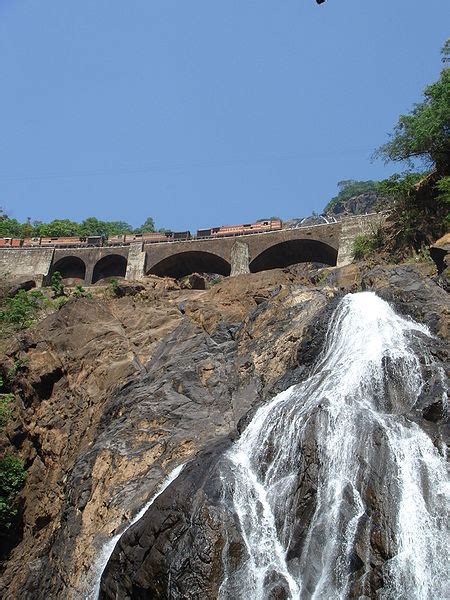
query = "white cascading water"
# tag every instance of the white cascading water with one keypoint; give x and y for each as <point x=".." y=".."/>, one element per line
<point x="95" y="574"/>
<point x="351" y="414"/>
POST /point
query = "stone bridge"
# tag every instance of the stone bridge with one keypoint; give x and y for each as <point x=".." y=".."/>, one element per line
<point x="330" y="244"/>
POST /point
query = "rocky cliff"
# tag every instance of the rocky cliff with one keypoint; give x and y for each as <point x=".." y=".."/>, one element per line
<point x="113" y="393"/>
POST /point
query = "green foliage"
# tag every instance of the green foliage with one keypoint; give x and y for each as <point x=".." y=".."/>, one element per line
<point x="5" y="408"/>
<point x="80" y="292"/>
<point x="59" y="302"/>
<point x="18" y="364"/>
<point x="365" y="245"/>
<point x="147" y="227"/>
<point x="57" y="228"/>
<point x="443" y="186"/>
<point x="349" y="188"/>
<point x="113" y="283"/>
<point x="420" y="207"/>
<point x="10" y="228"/>
<point x="21" y="310"/>
<point x="67" y="228"/>
<point x="57" y="285"/>
<point x="369" y="243"/>
<point x="445" y="52"/>
<point x="424" y="132"/>
<point x="117" y="227"/>
<point x="400" y="186"/>
<point x="12" y="478"/>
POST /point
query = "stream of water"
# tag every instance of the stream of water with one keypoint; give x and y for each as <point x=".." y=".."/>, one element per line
<point x="351" y="416"/>
<point x="95" y="574"/>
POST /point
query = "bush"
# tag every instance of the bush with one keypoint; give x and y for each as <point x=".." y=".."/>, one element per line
<point x="21" y="310"/>
<point x="12" y="478"/>
<point x="362" y="247"/>
<point x="114" y="284"/>
<point x="80" y="292"/>
<point x="5" y="408"/>
<point x="419" y="209"/>
<point x="57" y="285"/>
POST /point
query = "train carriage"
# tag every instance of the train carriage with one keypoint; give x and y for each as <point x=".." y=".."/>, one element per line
<point x="30" y="242"/>
<point x="180" y="236"/>
<point x="10" y="242"/>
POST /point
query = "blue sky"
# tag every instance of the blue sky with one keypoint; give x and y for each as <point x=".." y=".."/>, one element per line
<point x="205" y="112"/>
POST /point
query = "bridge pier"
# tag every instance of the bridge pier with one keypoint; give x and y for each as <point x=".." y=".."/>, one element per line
<point x="136" y="262"/>
<point x="240" y="259"/>
<point x="89" y="273"/>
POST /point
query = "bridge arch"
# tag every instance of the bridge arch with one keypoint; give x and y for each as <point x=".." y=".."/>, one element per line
<point x="111" y="265"/>
<point x="194" y="261"/>
<point x="72" y="269"/>
<point x="294" y="251"/>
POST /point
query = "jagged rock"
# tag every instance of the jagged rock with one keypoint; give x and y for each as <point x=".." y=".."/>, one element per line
<point x="127" y="288"/>
<point x="193" y="282"/>
<point x="358" y="205"/>
<point x="114" y="393"/>
<point x="439" y="252"/>
<point x="9" y="288"/>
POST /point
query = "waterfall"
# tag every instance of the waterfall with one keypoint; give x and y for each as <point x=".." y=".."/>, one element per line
<point x="350" y="415"/>
<point x="95" y="573"/>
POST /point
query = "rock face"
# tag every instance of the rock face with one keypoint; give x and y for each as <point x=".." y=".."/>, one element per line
<point x="116" y="392"/>
<point x="358" y="205"/>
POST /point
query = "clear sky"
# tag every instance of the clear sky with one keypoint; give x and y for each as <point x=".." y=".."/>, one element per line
<point x="203" y="112"/>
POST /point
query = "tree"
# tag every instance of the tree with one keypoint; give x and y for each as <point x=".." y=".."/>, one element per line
<point x="147" y="227"/>
<point x="424" y="133"/>
<point x="58" y="228"/>
<point x="28" y="228"/>
<point x="118" y="227"/>
<point x="93" y="226"/>
<point x="10" y="228"/>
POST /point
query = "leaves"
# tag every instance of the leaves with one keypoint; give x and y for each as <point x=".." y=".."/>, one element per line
<point x="12" y="478"/>
<point x="424" y="132"/>
<point x="21" y="310"/>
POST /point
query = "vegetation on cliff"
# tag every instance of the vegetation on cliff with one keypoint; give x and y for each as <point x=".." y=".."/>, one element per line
<point x="348" y="189"/>
<point x="12" y="473"/>
<point x="419" y="201"/>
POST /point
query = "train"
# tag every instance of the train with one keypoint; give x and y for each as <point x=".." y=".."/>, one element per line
<point x="126" y="239"/>
<point x="10" y="242"/>
<point x="262" y="226"/>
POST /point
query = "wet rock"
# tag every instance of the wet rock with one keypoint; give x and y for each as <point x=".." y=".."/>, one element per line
<point x="114" y="393"/>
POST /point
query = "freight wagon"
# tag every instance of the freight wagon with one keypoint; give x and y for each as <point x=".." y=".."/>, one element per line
<point x="10" y="242"/>
<point x="147" y="237"/>
<point x="63" y="242"/>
